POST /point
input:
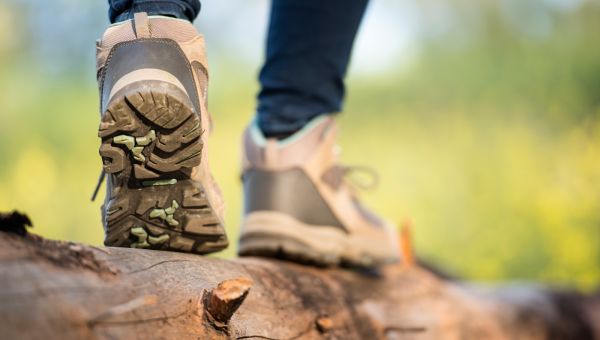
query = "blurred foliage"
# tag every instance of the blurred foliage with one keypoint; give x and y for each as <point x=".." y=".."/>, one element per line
<point x="489" y="141"/>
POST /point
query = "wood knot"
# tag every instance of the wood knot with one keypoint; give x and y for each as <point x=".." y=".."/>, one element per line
<point x="222" y="301"/>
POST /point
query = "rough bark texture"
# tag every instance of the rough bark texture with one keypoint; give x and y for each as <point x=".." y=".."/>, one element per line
<point x="62" y="290"/>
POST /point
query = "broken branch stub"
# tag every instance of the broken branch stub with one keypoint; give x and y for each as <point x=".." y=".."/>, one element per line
<point x="226" y="298"/>
<point x="14" y="222"/>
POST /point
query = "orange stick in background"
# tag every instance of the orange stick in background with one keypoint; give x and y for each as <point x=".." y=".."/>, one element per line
<point x="406" y="250"/>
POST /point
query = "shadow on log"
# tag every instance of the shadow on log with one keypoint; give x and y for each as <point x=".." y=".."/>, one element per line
<point x="63" y="290"/>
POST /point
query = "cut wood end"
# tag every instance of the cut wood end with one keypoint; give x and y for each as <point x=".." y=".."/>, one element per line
<point x="324" y="324"/>
<point x="226" y="298"/>
<point x="406" y="248"/>
<point x="232" y="289"/>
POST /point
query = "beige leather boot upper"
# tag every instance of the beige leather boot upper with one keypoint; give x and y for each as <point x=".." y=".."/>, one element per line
<point x="153" y="76"/>
<point x="301" y="177"/>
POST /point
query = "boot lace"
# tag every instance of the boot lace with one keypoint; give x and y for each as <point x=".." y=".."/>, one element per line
<point x="100" y="180"/>
<point x="357" y="177"/>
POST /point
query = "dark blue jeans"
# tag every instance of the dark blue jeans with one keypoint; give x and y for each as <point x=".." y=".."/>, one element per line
<point x="308" y="48"/>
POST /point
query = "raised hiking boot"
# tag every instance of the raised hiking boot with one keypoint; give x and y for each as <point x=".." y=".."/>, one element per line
<point x="154" y="127"/>
<point x="299" y="207"/>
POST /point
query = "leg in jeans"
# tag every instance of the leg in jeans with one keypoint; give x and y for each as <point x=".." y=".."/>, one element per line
<point x="120" y="10"/>
<point x="308" y="49"/>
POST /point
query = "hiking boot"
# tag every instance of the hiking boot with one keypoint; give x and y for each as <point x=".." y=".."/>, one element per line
<point x="299" y="206"/>
<point x="154" y="127"/>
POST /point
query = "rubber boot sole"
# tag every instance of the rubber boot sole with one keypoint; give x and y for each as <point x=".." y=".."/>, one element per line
<point x="151" y="141"/>
<point x="277" y="235"/>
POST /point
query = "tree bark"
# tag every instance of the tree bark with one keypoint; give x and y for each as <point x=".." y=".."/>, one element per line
<point x="64" y="290"/>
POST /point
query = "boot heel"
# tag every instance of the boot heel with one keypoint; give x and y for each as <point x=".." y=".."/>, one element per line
<point x="151" y="140"/>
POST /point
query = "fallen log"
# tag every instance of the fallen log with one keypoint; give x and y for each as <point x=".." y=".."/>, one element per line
<point x="64" y="290"/>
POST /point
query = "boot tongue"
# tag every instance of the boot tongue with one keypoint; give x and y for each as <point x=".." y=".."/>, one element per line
<point x="141" y="25"/>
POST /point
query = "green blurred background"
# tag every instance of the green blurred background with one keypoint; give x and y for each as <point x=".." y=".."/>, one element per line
<point x="482" y="118"/>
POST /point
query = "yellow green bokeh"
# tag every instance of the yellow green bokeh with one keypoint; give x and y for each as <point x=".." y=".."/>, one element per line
<point x="491" y="147"/>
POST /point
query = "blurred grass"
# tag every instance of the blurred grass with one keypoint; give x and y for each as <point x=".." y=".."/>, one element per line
<point x="493" y="149"/>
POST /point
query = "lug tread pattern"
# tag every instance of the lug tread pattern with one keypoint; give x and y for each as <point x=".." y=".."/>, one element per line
<point x="151" y="140"/>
